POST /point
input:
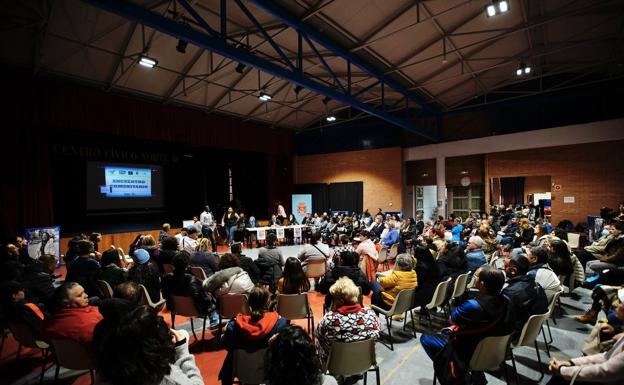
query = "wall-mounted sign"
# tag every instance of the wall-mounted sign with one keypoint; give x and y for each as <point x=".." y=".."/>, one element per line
<point x="568" y="199"/>
<point x="557" y="187"/>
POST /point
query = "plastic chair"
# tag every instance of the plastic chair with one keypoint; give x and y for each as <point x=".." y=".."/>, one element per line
<point x="394" y="251"/>
<point x="229" y="307"/>
<point x="296" y="306"/>
<point x="489" y="354"/>
<point x="438" y="298"/>
<point x="528" y="337"/>
<point x="402" y="304"/>
<point x="551" y="313"/>
<point x="105" y="288"/>
<point x="248" y="367"/>
<point x="199" y="273"/>
<point x="382" y="259"/>
<point x="72" y="355"/>
<point x="145" y="299"/>
<point x="574" y="240"/>
<point x="167" y="268"/>
<point x="316" y="269"/>
<point x="460" y="286"/>
<point x="351" y="358"/>
<point x="25" y="336"/>
<point x="184" y="306"/>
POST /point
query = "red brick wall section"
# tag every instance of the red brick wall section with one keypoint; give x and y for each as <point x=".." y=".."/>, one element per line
<point x="591" y="173"/>
<point x="380" y="170"/>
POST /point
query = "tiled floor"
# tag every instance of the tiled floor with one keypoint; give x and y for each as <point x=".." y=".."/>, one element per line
<point x="407" y="364"/>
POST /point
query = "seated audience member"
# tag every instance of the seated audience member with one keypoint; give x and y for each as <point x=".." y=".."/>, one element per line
<point x="347" y="321"/>
<point x="71" y="315"/>
<point x="145" y="273"/>
<point x="457" y="230"/>
<point x="525" y="233"/>
<point x="270" y="262"/>
<point x="600" y="248"/>
<point x="293" y="359"/>
<point x="245" y="262"/>
<point x="168" y="249"/>
<point x="613" y="259"/>
<point x="148" y="243"/>
<point x="377" y="227"/>
<point x="477" y="318"/>
<point x="316" y="250"/>
<point x="230" y="279"/>
<point x="182" y="283"/>
<point x="204" y="258"/>
<point x="38" y="280"/>
<point x="451" y="260"/>
<point x="10" y="267"/>
<point x="388" y="287"/>
<point x="526" y="296"/>
<point x="475" y="257"/>
<point x="603" y="297"/>
<point x="348" y="267"/>
<point x="368" y="255"/>
<point x="391" y="237"/>
<point x="344" y="244"/>
<point x="560" y="257"/>
<point x="428" y="273"/>
<point x="544" y="276"/>
<point x="164" y="233"/>
<point x="605" y="368"/>
<point x="111" y="271"/>
<point x="250" y="332"/>
<point x="140" y="349"/>
<point x="85" y="269"/>
<point x="293" y="280"/>
<point x="490" y="243"/>
<point x="189" y="241"/>
<point x="14" y="307"/>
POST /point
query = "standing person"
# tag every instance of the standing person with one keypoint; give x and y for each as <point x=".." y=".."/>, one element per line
<point x="208" y="226"/>
<point x="229" y="222"/>
<point x="85" y="268"/>
<point x="164" y="233"/>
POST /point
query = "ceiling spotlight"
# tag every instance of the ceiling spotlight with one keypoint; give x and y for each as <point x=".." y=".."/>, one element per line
<point x="181" y="47"/>
<point x="298" y="89"/>
<point x="330" y="118"/>
<point x="147" y="61"/>
<point x="463" y="172"/>
<point x="497" y="7"/>
<point x="523" y="70"/>
<point x="326" y="99"/>
<point x="240" y="68"/>
<point x="264" y="96"/>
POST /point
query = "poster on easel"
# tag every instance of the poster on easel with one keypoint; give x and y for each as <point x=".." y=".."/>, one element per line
<point x="297" y="232"/>
<point x="43" y="240"/>
<point x="280" y="233"/>
<point x="261" y="234"/>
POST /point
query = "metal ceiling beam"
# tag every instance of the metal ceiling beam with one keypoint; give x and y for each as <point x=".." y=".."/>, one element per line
<point x="187" y="68"/>
<point x="278" y="12"/>
<point x="220" y="46"/>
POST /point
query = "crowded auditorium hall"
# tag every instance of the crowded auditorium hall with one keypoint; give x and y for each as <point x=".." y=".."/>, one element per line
<point x="312" y="192"/>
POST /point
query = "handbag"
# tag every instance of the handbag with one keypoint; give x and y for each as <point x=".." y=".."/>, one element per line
<point x="593" y="344"/>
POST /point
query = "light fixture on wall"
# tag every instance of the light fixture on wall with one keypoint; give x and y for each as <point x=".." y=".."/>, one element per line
<point x="147" y="61"/>
<point x="181" y="46"/>
<point x="464" y="172"/>
<point x="497" y="7"/>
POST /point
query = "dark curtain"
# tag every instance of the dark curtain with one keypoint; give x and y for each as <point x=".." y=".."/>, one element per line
<point x="320" y="195"/>
<point x="346" y="196"/>
<point x="512" y="190"/>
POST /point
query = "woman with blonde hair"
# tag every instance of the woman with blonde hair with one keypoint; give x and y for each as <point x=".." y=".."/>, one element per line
<point x="347" y="321"/>
<point x="204" y="258"/>
<point x="525" y="233"/>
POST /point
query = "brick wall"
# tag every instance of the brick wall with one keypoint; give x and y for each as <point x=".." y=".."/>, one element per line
<point x="381" y="171"/>
<point x="591" y="173"/>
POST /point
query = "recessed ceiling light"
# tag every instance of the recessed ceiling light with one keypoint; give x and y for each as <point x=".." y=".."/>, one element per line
<point x="148" y="62"/>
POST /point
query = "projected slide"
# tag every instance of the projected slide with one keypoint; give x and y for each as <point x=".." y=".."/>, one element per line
<point x="125" y="182"/>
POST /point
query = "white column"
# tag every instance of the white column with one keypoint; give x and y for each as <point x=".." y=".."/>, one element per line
<point x="441" y="185"/>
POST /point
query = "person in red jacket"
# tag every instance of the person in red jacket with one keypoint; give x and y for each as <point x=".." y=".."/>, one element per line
<point x="72" y="317"/>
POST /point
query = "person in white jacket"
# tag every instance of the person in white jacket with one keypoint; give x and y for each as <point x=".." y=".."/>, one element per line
<point x="230" y="279"/>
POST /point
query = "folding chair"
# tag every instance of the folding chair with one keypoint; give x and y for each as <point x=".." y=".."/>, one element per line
<point x="25" y="336"/>
<point x="460" y="287"/>
<point x="184" y="306"/>
<point x="382" y="259"/>
<point x="351" y="358"/>
<point x="402" y="304"/>
<point x="105" y="288"/>
<point x="229" y="307"/>
<point x="199" y="273"/>
<point x="145" y="299"/>
<point x="167" y="268"/>
<point x="72" y="355"/>
<point x="296" y="306"/>
<point x="249" y="367"/>
<point x="528" y="337"/>
<point x="316" y="268"/>
<point x="438" y="298"/>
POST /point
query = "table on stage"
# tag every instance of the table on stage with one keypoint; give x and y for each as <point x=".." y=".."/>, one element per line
<point x="279" y="230"/>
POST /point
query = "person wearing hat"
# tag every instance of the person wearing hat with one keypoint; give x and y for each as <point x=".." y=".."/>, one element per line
<point x="606" y="368"/>
<point x="189" y="241"/>
<point x="145" y="272"/>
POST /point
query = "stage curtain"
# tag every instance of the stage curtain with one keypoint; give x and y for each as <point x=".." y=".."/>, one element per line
<point x="320" y="195"/>
<point x="346" y="196"/>
<point x="512" y="190"/>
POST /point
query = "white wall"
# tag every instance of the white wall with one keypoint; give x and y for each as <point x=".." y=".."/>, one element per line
<point x="551" y="137"/>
